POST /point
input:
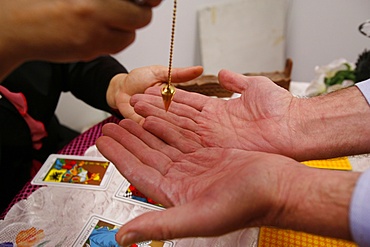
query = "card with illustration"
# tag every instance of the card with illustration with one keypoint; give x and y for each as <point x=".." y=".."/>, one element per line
<point x="75" y="171"/>
<point x="128" y="193"/>
<point x="99" y="231"/>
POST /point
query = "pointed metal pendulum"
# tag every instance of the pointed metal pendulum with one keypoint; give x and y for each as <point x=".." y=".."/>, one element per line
<point x="168" y="91"/>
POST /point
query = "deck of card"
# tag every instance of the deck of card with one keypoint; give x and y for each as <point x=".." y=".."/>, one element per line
<point x="75" y="171"/>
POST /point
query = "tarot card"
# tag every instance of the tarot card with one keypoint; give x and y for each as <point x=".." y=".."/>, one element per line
<point x="128" y="193"/>
<point x="99" y="231"/>
<point x="75" y="171"/>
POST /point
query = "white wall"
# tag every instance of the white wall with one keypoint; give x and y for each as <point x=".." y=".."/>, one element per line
<point x="318" y="31"/>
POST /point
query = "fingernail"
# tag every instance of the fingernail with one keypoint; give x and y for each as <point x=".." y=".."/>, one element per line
<point x="128" y="239"/>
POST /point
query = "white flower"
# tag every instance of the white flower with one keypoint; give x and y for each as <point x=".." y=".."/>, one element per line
<point x="332" y="68"/>
<point x="318" y="86"/>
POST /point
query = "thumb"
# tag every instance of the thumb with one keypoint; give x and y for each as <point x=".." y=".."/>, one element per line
<point x="232" y="81"/>
<point x="177" y="222"/>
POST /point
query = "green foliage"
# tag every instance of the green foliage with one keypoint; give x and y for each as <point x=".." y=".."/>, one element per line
<point x="340" y="76"/>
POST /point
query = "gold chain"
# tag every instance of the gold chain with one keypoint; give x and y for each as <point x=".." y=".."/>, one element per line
<point x="168" y="90"/>
<point x="172" y="41"/>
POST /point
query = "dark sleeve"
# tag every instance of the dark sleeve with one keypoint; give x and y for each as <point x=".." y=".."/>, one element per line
<point x="89" y="81"/>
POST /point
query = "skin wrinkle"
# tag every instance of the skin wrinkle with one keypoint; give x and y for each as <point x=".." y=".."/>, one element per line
<point x="276" y="119"/>
<point x="153" y="123"/>
<point x="264" y="213"/>
<point x="171" y="194"/>
<point x="236" y="138"/>
<point x="293" y="133"/>
<point x="206" y="128"/>
<point x="284" y="197"/>
<point x="187" y="168"/>
<point x="190" y="135"/>
<point x="183" y="116"/>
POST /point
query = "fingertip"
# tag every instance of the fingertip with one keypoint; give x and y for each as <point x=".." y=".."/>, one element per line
<point x="127" y="239"/>
<point x="133" y="100"/>
<point x="226" y="73"/>
<point x="232" y="81"/>
<point x="107" y="127"/>
<point x="199" y="70"/>
<point x="101" y="143"/>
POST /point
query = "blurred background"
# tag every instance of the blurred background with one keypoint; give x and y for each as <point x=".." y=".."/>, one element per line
<point x="255" y="36"/>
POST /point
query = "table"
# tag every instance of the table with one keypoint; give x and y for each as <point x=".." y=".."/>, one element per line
<point x="62" y="214"/>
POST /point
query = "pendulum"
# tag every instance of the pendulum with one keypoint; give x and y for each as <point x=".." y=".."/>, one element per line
<point x="168" y="91"/>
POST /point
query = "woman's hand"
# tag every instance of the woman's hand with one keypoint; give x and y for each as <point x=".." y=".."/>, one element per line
<point x="123" y="86"/>
<point x="67" y="30"/>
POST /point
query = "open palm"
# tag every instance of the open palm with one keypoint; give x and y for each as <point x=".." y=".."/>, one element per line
<point x="259" y="120"/>
<point x="210" y="183"/>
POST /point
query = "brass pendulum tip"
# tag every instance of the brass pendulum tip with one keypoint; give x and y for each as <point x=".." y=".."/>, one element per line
<point x="168" y="91"/>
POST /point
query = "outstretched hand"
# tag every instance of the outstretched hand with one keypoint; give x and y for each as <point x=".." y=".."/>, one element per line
<point x="208" y="191"/>
<point x="75" y="30"/>
<point x="123" y="86"/>
<point x="211" y="191"/>
<point x="259" y="120"/>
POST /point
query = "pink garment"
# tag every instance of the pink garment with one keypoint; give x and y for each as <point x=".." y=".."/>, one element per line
<point x="37" y="128"/>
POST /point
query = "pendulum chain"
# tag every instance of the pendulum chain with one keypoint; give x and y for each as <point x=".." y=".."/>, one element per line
<point x="168" y="90"/>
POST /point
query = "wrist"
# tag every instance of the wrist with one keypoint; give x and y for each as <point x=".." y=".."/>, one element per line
<point x="114" y="89"/>
<point x="317" y="202"/>
<point x="330" y="126"/>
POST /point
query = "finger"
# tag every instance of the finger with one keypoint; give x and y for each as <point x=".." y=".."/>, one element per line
<point x="117" y="39"/>
<point x="151" y="3"/>
<point x="193" y="100"/>
<point x="144" y="154"/>
<point x="178" y="74"/>
<point x="181" y="116"/>
<point x="124" y="15"/>
<point x="238" y="83"/>
<point x="130" y="166"/>
<point x="188" y="220"/>
<point x="156" y="74"/>
<point x="152" y="142"/>
<point x="232" y="81"/>
<point x="124" y="160"/>
<point x="185" y="140"/>
<point x="128" y="112"/>
<point x="186" y="74"/>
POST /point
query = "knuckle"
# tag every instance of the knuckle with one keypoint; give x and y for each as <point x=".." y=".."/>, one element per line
<point x="142" y="19"/>
<point x="83" y="8"/>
